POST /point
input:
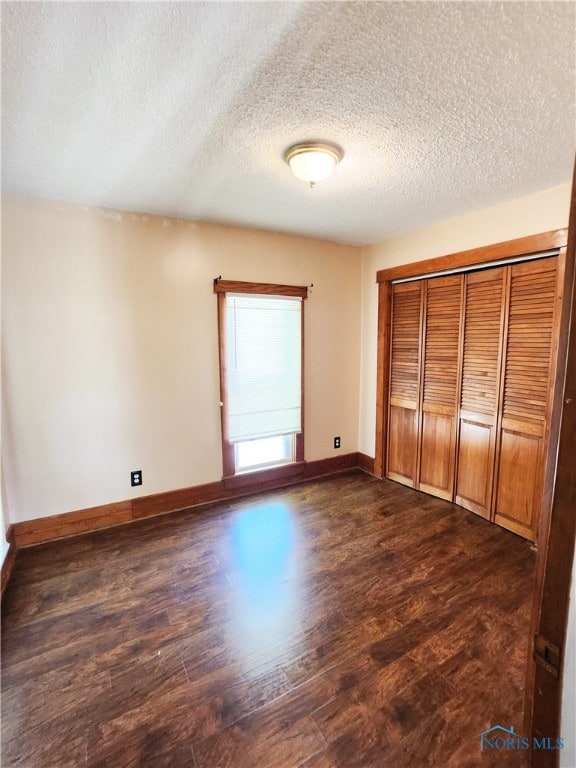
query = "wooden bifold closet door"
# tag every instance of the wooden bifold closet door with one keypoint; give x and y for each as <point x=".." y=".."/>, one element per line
<point x="471" y="357"/>
<point x="424" y="364"/>
<point x="440" y="385"/>
<point x="481" y="367"/>
<point x="529" y="356"/>
<point x="404" y="382"/>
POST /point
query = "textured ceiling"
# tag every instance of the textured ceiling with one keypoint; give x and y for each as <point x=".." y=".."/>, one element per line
<point x="185" y="109"/>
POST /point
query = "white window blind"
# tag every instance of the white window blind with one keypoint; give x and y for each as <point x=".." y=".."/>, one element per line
<point x="263" y="361"/>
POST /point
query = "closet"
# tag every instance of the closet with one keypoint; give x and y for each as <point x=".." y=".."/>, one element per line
<point x="471" y="367"/>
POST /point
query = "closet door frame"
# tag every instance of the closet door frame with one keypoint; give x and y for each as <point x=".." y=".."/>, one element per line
<point x="480" y="257"/>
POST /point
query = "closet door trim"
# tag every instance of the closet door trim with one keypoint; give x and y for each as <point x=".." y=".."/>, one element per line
<point x="533" y="245"/>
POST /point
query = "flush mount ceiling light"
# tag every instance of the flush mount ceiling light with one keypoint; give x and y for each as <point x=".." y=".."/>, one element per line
<point x="312" y="161"/>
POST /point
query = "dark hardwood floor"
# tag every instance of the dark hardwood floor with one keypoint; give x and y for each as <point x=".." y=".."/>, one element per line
<point x="343" y="623"/>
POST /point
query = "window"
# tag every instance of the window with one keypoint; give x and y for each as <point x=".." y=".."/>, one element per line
<point x="264" y="452"/>
<point x="260" y="332"/>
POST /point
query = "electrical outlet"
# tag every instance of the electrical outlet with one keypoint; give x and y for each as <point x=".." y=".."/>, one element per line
<point x="336" y="442"/>
<point x="136" y="477"/>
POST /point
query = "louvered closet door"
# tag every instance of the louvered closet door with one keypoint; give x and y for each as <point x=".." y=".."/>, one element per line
<point x="440" y="376"/>
<point x="482" y="341"/>
<point x="526" y="395"/>
<point x="404" y="383"/>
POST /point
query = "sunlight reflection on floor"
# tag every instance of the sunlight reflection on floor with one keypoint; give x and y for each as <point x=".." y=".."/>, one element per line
<point x="265" y="566"/>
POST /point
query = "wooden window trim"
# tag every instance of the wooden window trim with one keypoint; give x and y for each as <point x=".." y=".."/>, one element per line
<point x="267" y="289"/>
<point x="230" y="477"/>
<point x="247" y="479"/>
<point x="476" y="257"/>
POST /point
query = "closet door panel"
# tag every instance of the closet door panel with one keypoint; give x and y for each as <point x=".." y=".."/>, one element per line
<point x="437" y="462"/>
<point x="439" y="397"/>
<point x="474" y="465"/>
<point x="403" y="444"/>
<point x="526" y="389"/>
<point x="519" y="469"/>
<point x="405" y="329"/>
<point x="479" y="400"/>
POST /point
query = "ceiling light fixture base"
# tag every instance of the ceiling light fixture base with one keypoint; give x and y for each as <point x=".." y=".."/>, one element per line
<point x="313" y="161"/>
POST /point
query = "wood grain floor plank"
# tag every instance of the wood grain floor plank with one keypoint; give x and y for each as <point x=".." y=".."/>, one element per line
<point x="346" y="622"/>
<point x="274" y="745"/>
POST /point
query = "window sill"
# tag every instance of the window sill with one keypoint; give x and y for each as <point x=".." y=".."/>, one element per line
<point x="263" y="475"/>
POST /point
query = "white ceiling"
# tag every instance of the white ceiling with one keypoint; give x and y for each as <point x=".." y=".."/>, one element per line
<point x="185" y="109"/>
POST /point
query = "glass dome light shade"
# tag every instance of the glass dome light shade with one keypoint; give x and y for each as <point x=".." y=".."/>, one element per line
<point x="312" y="162"/>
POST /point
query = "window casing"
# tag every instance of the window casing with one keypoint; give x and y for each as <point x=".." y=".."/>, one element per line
<point x="261" y="376"/>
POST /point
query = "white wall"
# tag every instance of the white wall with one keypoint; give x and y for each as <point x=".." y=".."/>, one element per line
<point x="542" y="212"/>
<point x="111" y="351"/>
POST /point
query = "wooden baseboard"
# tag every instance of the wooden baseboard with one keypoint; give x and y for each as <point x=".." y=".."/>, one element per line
<point x="330" y="466"/>
<point x="85" y="520"/>
<point x="71" y="523"/>
<point x="170" y="501"/>
<point x="8" y="563"/>
<point x="366" y="463"/>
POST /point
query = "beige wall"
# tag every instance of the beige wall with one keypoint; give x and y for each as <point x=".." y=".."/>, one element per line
<point x="517" y="218"/>
<point x="111" y="353"/>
